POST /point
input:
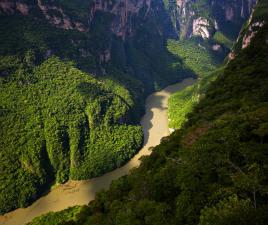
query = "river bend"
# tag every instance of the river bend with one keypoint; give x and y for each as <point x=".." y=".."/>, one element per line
<point x="155" y="126"/>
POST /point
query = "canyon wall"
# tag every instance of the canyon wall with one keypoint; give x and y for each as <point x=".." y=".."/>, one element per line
<point x="204" y="18"/>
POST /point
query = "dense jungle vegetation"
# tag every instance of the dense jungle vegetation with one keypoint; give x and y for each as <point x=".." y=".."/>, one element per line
<point x="64" y="113"/>
<point x="211" y="171"/>
<point x="197" y="56"/>
<point x="68" y="125"/>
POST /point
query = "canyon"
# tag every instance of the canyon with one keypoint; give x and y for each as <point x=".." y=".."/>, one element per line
<point x="76" y="75"/>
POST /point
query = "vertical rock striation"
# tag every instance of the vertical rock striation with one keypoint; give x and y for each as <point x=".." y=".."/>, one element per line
<point x="203" y="18"/>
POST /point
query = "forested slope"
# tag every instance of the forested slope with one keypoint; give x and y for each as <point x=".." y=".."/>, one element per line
<point x="73" y="82"/>
<point x="212" y="171"/>
<point x="198" y="57"/>
<point x="58" y="123"/>
<point x="73" y="79"/>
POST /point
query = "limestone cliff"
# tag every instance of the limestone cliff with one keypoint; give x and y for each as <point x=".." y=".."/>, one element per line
<point x="122" y="13"/>
<point x="256" y="21"/>
<point x="121" y="18"/>
<point x="204" y="18"/>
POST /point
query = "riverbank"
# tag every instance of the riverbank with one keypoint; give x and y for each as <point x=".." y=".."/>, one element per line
<point x="155" y="126"/>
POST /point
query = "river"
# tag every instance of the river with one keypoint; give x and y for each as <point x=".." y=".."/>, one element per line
<point x="155" y="126"/>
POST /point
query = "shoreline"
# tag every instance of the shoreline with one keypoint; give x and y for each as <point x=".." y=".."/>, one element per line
<point x="154" y="125"/>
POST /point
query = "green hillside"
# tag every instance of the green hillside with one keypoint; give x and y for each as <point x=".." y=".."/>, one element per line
<point x="64" y="112"/>
<point x="182" y="103"/>
<point x="59" y="123"/>
<point x="196" y="56"/>
<point x="74" y="76"/>
<point x="203" y="62"/>
<point x="212" y="171"/>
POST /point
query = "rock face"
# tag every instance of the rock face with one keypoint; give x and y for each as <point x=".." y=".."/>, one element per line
<point x="189" y="17"/>
<point x="203" y="18"/>
<point x="121" y="18"/>
<point x="143" y="20"/>
<point x="10" y="7"/>
<point x="201" y="27"/>
<point x="216" y="47"/>
<point x="123" y="12"/>
<point x="55" y="15"/>
<point x="105" y="56"/>
<point x="251" y="28"/>
<point x="99" y="33"/>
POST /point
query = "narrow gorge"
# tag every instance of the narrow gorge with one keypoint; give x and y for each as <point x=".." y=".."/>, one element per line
<point x="74" y="79"/>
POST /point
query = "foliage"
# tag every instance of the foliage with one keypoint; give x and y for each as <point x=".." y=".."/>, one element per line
<point x="68" y="215"/>
<point x="233" y="211"/>
<point x="143" y="57"/>
<point x="181" y="103"/>
<point x="195" y="55"/>
<point x="58" y="122"/>
<point x="213" y="170"/>
<point x="222" y="39"/>
<point x="200" y="60"/>
<point x="64" y="113"/>
<point x="261" y="11"/>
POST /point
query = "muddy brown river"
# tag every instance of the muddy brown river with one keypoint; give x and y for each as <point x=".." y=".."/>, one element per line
<point x="155" y="127"/>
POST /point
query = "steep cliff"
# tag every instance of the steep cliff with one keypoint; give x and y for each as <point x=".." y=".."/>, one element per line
<point x="257" y="20"/>
<point x="122" y="32"/>
<point x="205" y="18"/>
<point x="96" y="34"/>
<point x="68" y="15"/>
